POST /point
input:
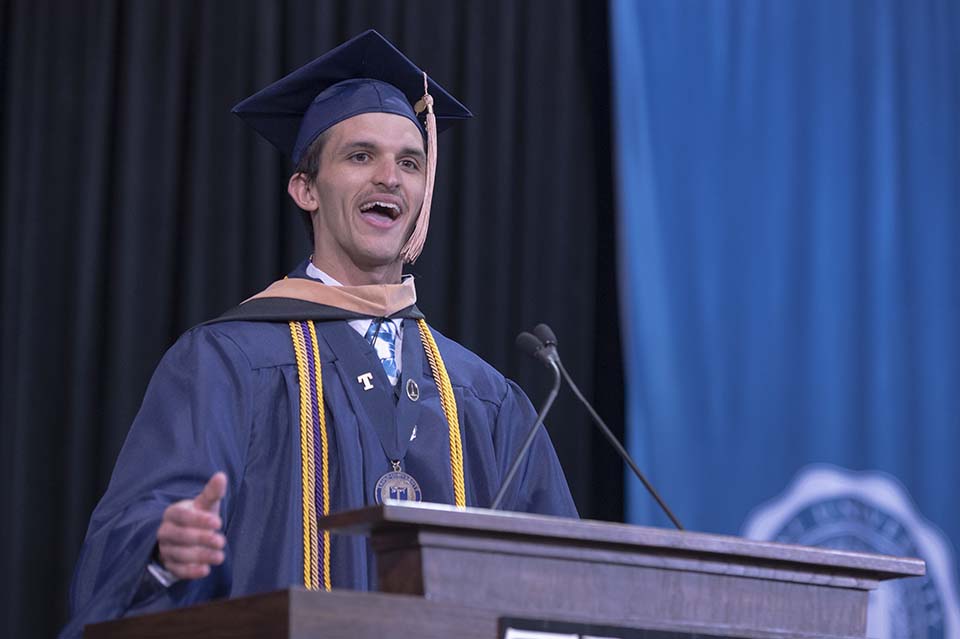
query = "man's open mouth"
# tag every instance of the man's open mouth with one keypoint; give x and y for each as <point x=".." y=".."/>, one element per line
<point x="380" y="211"/>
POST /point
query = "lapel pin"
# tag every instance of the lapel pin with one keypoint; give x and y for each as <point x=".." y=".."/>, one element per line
<point x="366" y="380"/>
<point x="413" y="391"/>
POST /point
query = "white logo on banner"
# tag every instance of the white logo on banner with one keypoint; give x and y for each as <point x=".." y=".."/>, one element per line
<point x="832" y="507"/>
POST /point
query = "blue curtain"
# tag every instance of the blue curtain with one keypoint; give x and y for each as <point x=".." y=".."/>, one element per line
<point x="789" y="210"/>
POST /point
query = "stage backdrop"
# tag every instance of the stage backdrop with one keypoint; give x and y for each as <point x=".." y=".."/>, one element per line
<point x="789" y="184"/>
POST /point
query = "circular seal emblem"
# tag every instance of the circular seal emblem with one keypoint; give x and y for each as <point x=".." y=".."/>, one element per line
<point x="832" y="507"/>
<point x="413" y="391"/>
<point x="397" y="486"/>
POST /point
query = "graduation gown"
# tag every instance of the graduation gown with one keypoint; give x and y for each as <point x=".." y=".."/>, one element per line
<point x="226" y="397"/>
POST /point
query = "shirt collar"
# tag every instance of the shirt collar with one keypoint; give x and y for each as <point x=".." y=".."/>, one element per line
<point x="316" y="274"/>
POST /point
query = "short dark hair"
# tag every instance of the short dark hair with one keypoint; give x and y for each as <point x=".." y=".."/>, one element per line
<point x="309" y="167"/>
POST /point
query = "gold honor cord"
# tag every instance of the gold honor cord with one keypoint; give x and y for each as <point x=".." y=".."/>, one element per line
<point x="449" y="405"/>
<point x="316" y="575"/>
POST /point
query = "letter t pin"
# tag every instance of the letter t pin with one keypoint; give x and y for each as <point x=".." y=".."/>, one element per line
<point x="366" y="380"/>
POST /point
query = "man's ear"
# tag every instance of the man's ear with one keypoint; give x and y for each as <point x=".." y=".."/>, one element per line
<point x="300" y="188"/>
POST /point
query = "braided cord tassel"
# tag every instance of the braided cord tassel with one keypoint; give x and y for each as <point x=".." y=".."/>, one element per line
<point x="306" y="460"/>
<point x="414" y="246"/>
<point x="449" y="405"/>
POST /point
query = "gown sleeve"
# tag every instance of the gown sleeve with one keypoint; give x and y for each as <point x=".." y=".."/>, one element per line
<point x="193" y="422"/>
<point x="540" y="486"/>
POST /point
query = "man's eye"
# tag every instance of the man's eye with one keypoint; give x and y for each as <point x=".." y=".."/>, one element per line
<point x="410" y="164"/>
<point x="360" y="157"/>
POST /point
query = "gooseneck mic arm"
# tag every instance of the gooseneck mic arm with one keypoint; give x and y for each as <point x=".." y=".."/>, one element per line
<point x="533" y="347"/>
<point x="544" y="334"/>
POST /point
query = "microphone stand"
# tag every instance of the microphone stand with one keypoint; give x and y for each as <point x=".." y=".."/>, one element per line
<point x="549" y="352"/>
<point x="619" y="447"/>
<point x="529" y="440"/>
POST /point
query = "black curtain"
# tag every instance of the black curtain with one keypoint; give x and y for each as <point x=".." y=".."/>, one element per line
<point x="134" y="205"/>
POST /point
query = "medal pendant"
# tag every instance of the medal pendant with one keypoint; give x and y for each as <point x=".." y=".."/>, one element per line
<point x="397" y="485"/>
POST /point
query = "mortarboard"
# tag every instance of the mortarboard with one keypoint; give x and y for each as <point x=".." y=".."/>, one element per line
<point x="363" y="75"/>
<point x="366" y="74"/>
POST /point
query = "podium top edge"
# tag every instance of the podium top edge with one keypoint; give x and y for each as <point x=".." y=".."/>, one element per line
<point x="551" y="529"/>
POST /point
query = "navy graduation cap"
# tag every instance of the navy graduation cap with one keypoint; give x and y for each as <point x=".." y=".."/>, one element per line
<point x="366" y="74"/>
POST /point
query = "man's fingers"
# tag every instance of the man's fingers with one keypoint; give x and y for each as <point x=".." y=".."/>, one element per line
<point x="187" y="539"/>
<point x="187" y="571"/>
<point x="189" y="555"/>
<point x="215" y="490"/>
<point x="184" y="514"/>
<point x="183" y="549"/>
<point x="174" y="534"/>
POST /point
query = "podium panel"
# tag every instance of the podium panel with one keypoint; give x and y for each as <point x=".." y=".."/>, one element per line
<point x="447" y="572"/>
<point x="617" y="573"/>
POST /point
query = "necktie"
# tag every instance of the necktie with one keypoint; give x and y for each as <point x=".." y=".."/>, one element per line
<point x="382" y="335"/>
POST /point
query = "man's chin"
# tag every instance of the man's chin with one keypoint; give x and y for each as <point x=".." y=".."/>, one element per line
<point x="380" y="262"/>
<point x="381" y="255"/>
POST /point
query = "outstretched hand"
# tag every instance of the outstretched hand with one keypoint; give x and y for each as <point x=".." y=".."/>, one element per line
<point x="188" y="539"/>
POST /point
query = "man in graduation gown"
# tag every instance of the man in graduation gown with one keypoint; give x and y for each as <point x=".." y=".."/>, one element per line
<point x="328" y="391"/>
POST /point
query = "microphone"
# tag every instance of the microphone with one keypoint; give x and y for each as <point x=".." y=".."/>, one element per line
<point x="545" y="335"/>
<point x="535" y="348"/>
<point x="532" y="346"/>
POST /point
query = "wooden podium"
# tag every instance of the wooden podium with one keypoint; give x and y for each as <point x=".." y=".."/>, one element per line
<point x="446" y="572"/>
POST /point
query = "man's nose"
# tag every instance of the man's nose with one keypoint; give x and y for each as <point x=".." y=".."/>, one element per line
<point x="387" y="174"/>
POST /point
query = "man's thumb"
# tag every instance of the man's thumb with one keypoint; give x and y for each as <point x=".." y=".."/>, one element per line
<point x="209" y="498"/>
